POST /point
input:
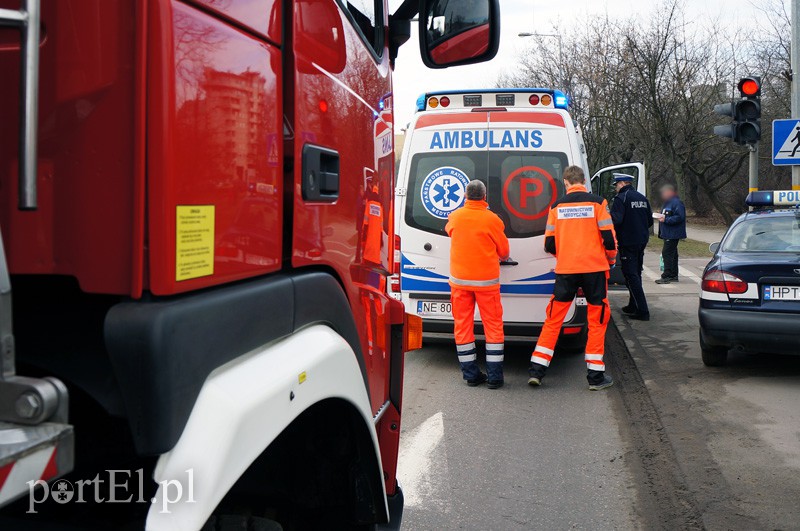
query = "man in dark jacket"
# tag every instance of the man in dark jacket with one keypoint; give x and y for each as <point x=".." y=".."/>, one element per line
<point x="632" y="218"/>
<point x="671" y="229"/>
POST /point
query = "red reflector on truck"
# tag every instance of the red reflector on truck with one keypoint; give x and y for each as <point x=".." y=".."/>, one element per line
<point x="570" y="330"/>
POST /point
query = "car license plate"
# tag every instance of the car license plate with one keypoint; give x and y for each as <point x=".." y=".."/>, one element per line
<point x="782" y="293"/>
<point x="434" y="308"/>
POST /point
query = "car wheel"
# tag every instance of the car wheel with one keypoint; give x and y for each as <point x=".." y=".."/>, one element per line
<point x="713" y="356"/>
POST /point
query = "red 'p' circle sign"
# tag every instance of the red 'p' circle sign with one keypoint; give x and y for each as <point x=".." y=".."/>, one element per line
<point x="523" y="189"/>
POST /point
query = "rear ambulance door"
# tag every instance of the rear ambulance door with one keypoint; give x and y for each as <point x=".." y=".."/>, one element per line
<point x="603" y="180"/>
<point x="603" y="185"/>
<point x="441" y="159"/>
<point x="529" y="152"/>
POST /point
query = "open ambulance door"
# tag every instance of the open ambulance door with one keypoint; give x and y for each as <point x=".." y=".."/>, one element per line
<point x="603" y="185"/>
<point x="603" y="181"/>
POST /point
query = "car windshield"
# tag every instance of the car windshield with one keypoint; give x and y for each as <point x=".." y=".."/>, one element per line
<point x="521" y="187"/>
<point x="767" y="234"/>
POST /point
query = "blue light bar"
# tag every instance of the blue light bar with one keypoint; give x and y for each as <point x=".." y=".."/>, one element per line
<point x="423" y="98"/>
<point x="560" y="100"/>
<point x="773" y="198"/>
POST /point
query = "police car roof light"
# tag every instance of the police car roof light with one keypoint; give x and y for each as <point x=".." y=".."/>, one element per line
<point x="773" y="198"/>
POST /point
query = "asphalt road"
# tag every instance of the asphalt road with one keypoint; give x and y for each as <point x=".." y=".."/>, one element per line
<point x="673" y="445"/>
<point x="513" y="458"/>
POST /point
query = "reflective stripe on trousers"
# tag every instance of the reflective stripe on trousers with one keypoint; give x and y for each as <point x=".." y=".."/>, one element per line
<point x="494" y="352"/>
<point x="467" y="359"/>
<point x="542" y="355"/>
<point x="594" y="362"/>
<point x="474" y="283"/>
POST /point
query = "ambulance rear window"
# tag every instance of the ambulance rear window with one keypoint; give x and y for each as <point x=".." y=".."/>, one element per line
<point x="521" y="187"/>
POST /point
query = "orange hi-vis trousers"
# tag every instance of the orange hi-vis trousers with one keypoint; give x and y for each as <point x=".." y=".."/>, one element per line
<point x="595" y="287"/>
<point x="491" y="310"/>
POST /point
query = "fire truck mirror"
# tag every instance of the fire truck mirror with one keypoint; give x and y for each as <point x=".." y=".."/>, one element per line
<point x="458" y="32"/>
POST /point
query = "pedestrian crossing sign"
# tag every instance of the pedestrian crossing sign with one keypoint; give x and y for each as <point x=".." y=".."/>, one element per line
<point x="786" y="142"/>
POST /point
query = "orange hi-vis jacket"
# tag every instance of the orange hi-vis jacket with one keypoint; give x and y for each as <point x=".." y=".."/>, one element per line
<point x="580" y="233"/>
<point x="477" y="244"/>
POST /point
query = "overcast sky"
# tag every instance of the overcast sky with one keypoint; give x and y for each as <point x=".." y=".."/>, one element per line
<point x="412" y="78"/>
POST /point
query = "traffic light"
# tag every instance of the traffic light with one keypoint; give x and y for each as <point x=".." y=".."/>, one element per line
<point x="746" y="113"/>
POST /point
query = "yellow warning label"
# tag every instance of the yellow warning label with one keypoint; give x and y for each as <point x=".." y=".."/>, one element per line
<point x="194" y="241"/>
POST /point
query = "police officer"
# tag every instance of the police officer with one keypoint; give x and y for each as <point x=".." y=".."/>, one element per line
<point x="633" y="218"/>
<point x="477" y="245"/>
<point x="580" y="234"/>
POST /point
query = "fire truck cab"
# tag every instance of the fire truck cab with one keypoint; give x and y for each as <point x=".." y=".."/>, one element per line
<point x="197" y="210"/>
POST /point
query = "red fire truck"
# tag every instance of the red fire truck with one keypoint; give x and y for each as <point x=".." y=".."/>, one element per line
<point x="197" y="223"/>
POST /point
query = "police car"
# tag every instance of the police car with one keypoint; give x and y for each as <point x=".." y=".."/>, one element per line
<point x="518" y="142"/>
<point x="750" y="295"/>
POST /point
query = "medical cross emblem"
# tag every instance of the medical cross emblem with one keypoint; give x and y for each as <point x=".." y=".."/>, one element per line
<point x="443" y="190"/>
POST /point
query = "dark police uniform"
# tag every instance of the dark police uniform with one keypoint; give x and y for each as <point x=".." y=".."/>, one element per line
<point x="632" y="218"/>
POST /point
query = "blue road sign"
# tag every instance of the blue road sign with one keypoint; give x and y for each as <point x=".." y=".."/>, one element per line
<point x="786" y="142"/>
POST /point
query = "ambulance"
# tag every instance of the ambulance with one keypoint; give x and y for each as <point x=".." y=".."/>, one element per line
<point x="518" y="142"/>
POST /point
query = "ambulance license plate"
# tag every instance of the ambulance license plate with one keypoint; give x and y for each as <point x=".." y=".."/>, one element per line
<point x="434" y="308"/>
<point x="782" y="293"/>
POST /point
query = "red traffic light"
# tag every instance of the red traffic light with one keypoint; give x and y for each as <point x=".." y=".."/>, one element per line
<point x="749" y="86"/>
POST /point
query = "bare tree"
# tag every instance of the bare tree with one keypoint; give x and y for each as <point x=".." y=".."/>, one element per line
<point x="646" y="89"/>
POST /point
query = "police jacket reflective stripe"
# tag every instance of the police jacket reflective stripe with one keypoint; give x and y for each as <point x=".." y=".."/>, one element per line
<point x="632" y="217"/>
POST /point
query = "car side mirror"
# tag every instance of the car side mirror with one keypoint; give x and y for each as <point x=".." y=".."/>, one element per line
<point x="713" y="247"/>
<point x="458" y="32"/>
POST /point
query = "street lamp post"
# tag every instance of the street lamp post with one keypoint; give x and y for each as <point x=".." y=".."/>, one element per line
<point x="563" y="80"/>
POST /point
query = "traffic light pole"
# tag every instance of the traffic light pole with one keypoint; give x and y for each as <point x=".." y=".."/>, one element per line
<point x="753" y="167"/>
<point x="795" y="79"/>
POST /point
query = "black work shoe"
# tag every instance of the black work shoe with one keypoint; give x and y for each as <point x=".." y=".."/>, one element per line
<point x="629" y="309"/>
<point x="495" y="384"/>
<point x="477" y="381"/>
<point x="664" y="281"/>
<point x="536" y="374"/>
<point x="605" y="384"/>
<point x="639" y="316"/>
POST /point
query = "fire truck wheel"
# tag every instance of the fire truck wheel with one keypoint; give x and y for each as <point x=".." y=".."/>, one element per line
<point x="233" y="522"/>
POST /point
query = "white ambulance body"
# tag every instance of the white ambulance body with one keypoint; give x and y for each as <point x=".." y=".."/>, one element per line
<point x="518" y="142"/>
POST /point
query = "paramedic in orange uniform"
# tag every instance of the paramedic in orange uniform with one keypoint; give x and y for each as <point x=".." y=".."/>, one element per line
<point x="477" y="245"/>
<point x="580" y="234"/>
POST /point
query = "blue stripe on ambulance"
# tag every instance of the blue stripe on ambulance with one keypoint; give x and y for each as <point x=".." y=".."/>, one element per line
<point x="424" y="280"/>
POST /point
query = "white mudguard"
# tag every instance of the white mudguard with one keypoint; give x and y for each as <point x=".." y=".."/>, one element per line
<point x="242" y="407"/>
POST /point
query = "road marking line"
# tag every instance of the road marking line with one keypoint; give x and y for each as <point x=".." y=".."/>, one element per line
<point x="652" y="275"/>
<point x="685" y="272"/>
<point x="417" y="463"/>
